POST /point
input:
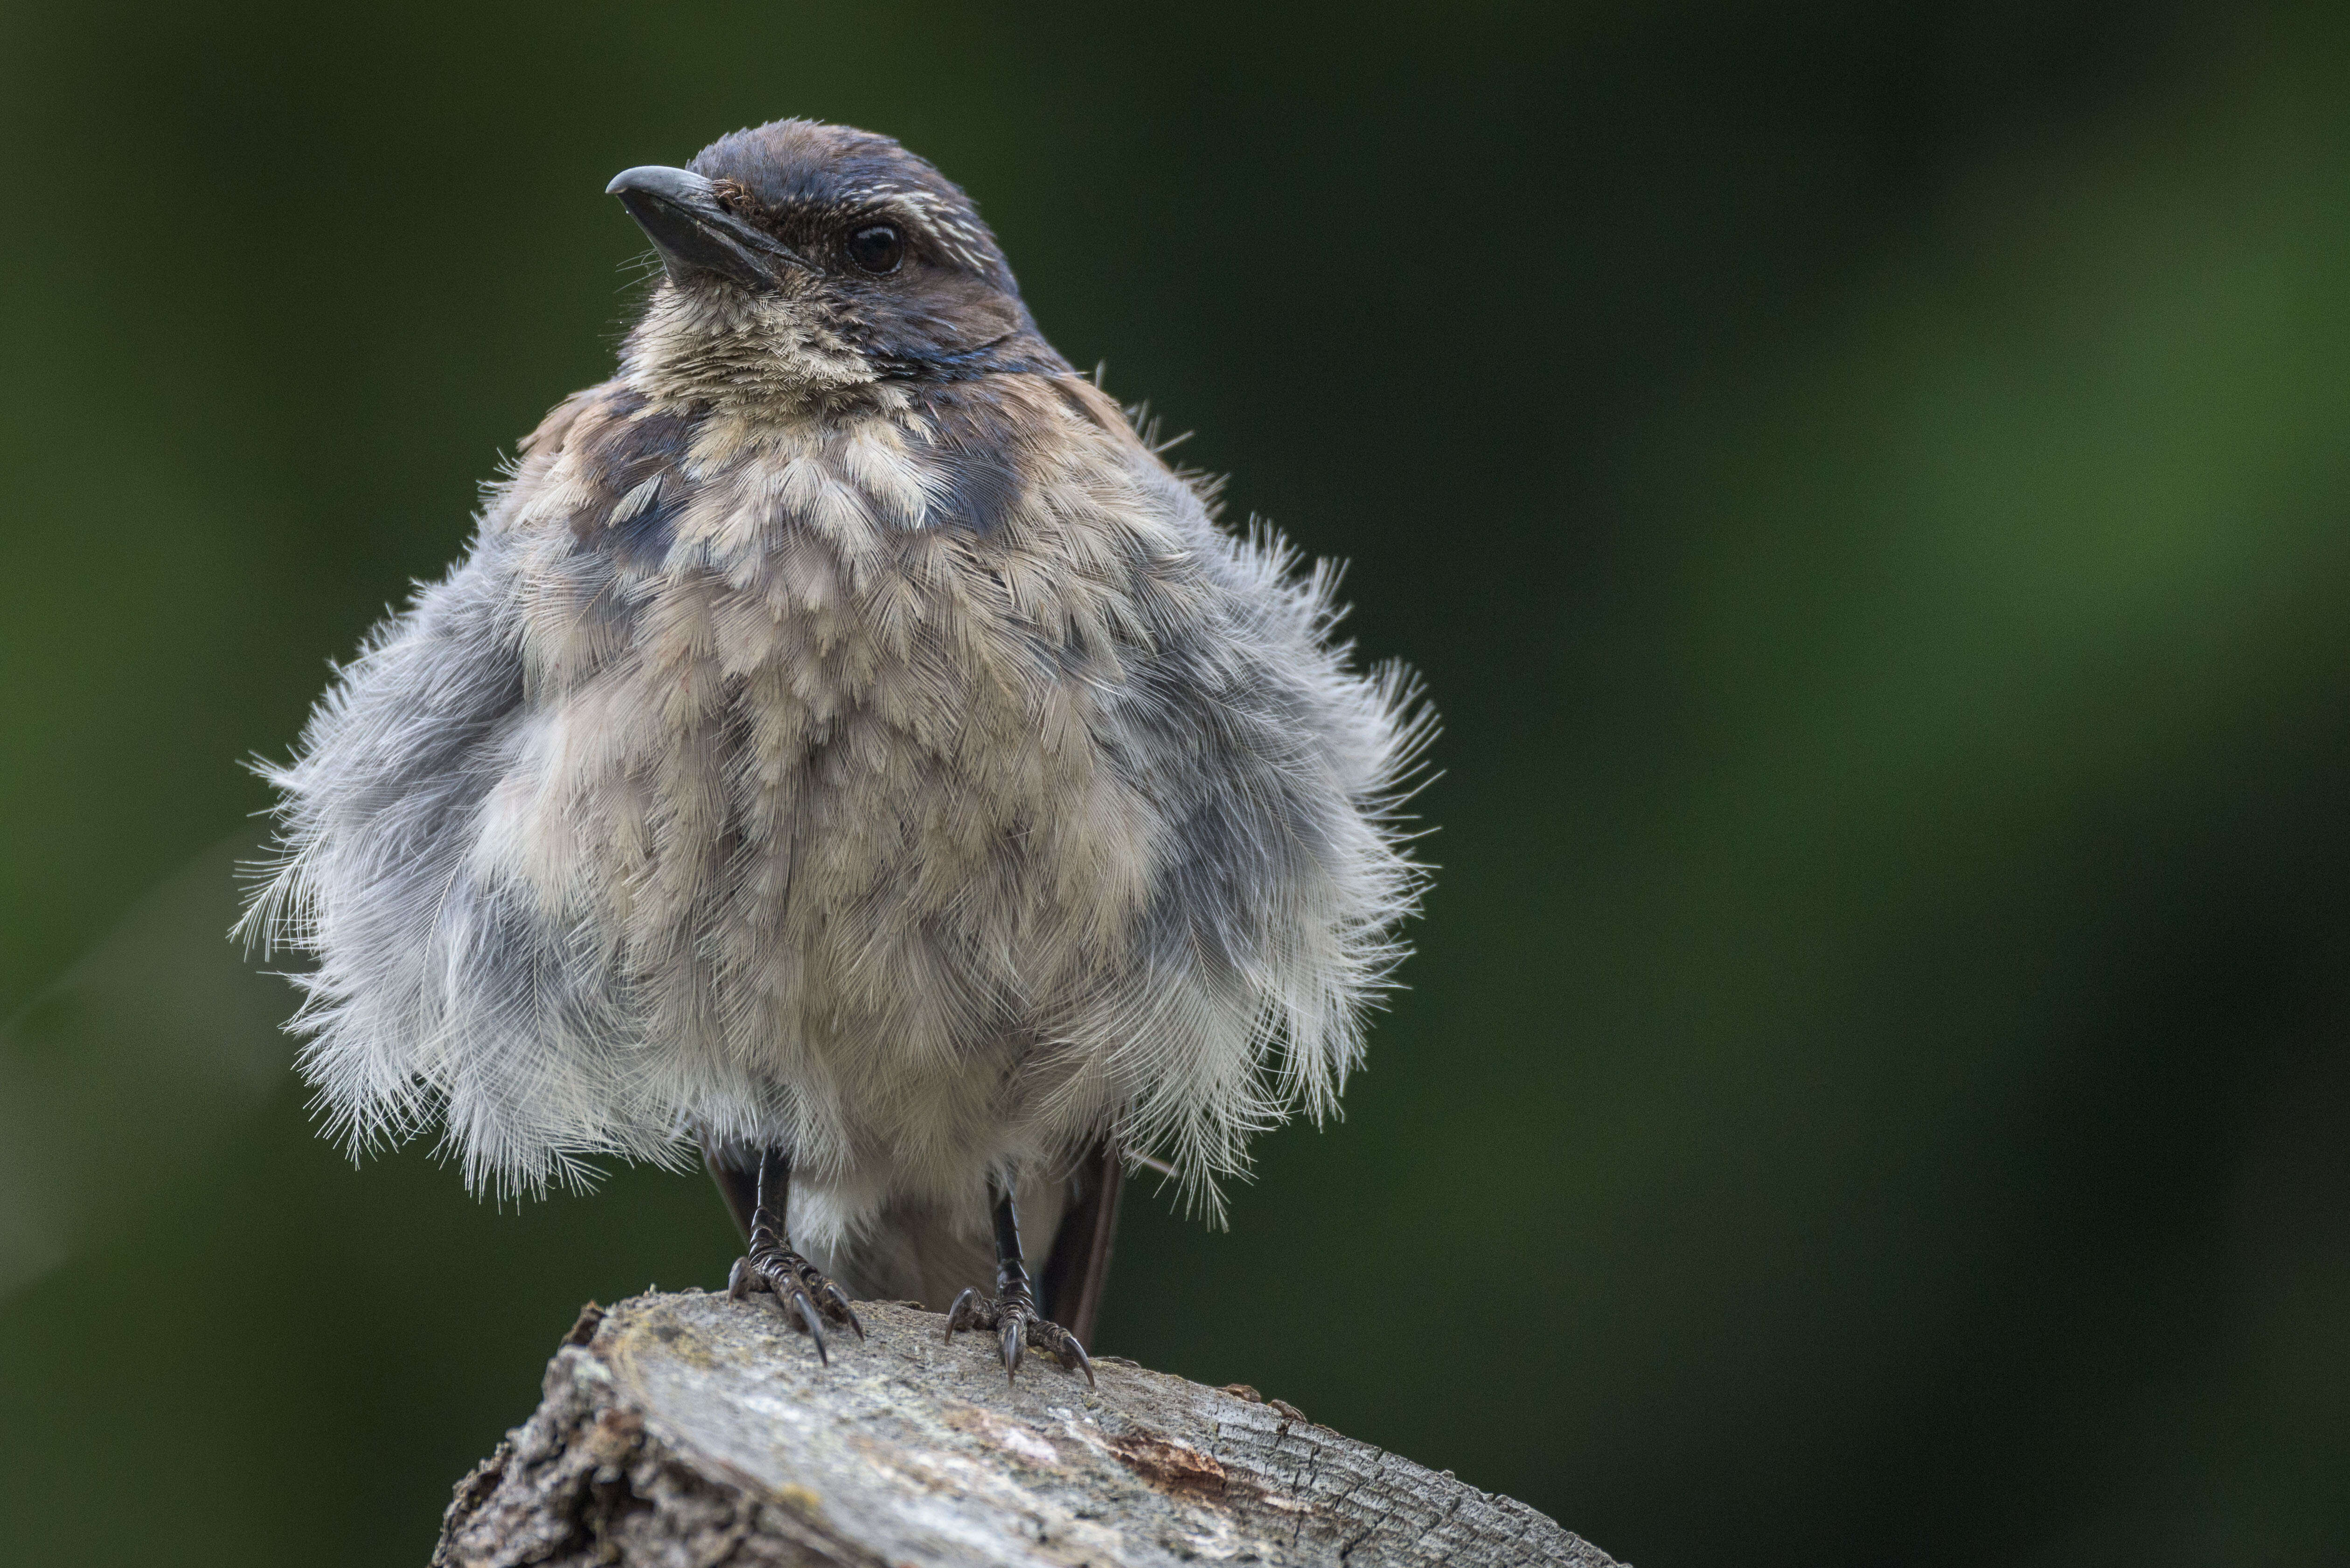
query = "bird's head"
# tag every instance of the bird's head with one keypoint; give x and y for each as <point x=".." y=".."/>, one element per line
<point x="804" y="261"/>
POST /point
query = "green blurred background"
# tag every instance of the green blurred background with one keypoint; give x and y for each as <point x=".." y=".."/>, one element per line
<point x="1866" y="484"/>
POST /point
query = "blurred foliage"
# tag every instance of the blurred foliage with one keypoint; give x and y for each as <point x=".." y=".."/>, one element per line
<point x="1866" y="485"/>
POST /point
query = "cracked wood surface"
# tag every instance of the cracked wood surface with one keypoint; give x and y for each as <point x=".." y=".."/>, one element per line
<point x="690" y="1430"/>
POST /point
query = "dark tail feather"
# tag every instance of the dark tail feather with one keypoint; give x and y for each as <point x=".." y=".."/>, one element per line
<point x="739" y="1187"/>
<point x="1077" y="1268"/>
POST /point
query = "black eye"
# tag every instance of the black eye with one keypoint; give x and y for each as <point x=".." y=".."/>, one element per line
<point x="878" y="248"/>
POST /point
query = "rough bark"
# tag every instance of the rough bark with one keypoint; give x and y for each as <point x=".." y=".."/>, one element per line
<point x="690" y="1430"/>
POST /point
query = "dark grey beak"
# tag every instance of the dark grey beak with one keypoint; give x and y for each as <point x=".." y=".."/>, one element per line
<point x="679" y="212"/>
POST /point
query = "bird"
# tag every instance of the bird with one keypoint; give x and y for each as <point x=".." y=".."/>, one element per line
<point x="849" y="749"/>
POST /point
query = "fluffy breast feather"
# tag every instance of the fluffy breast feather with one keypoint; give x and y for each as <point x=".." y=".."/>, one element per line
<point x="924" y="791"/>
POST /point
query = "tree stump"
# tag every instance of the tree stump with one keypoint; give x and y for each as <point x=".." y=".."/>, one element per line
<point x="691" y="1430"/>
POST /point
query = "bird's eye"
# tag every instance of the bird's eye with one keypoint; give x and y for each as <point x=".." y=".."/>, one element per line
<point x="876" y="248"/>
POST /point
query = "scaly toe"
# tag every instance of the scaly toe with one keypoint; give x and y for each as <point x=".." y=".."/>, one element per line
<point x="1018" y="1326"/>
<point x="799" y="1287"/>
<point x="1064" y="1345"/>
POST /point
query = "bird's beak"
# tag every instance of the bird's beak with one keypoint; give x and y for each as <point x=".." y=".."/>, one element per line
<point x="679" y="212"/>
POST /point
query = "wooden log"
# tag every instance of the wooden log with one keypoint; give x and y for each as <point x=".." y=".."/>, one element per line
<point x="690" y="1430"/>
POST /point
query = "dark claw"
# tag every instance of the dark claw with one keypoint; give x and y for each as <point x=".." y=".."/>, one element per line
<point x="1052" y="1337"/>
<point x="1017" y="1324"/>
<point x="962" y="1314"/>
<point x="836" y="1303"/>
<point x="814" y="1324"/>
<point x="1010" y="1338"/>
<point x="798" y="1288"/>
<point x="1085" y="1362"/>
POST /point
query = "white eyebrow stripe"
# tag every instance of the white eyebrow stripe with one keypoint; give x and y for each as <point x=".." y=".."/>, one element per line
<point x="947" y="222"/>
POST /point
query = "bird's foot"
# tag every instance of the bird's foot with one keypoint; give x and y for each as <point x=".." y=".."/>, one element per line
<point x="798" y="1286"/>
<point x="1017" y="1324"/>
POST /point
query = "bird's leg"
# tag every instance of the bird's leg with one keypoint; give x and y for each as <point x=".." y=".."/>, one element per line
<point x="1013" y="1311"/>
<point x="797" y="1285"/>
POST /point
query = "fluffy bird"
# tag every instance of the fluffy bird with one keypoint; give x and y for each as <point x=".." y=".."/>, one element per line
<point x="847" y="747"/>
